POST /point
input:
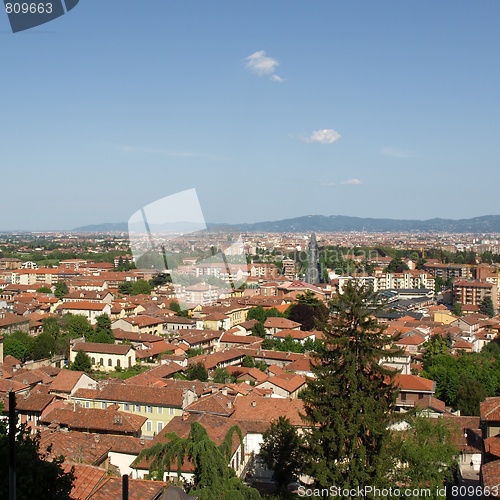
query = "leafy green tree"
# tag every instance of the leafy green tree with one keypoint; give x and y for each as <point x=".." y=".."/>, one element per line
<point x="60" y="289"/>
<point x="257" y="313"/>
<point x="125" y="288"/>
<point x="82" y="362"/>
<point x="309" y="298"/>
<point x="196" y="351"/>
<point x="160" y="279"/>
<point x="258" y="330"/>
<point x="443" y="369"/>
<point x="175" y="306"/>
<point x="268" y="344"/>
<point x="424" y="455"/>
<point x="141" y="287"/>
<point x="221" y="376"/>
<point x="487" y="307"/>
<point x="213" y="478"/>
<point x="349" y="404"/>
<point x="434" y="346"/>
<point x="281" y="451"/>
<point x="273" y="313"/>
<point x="18" y="344"/>
<point x="36" y="475"/>
<point x="44" y="346"/>
<point x="44" y="289"/>
<point x="469" y="396"/>
<point x="491" y="349"/>
<point x="261" y="365"/>
<point x="197" y="371"/>
<point x="102" y="332"/>
<point x="464" y="381"/>
<point x="75" y="326"/>
<point x="438" y="284"/>
<point x="248" y="362"/>
<point x="309" y="311"/>
<point x="396" y="266"/>
<point x="51" y="326"/>
<point x="457" y="309"/>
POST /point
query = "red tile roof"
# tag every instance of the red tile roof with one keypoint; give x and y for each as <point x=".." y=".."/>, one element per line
<point x="82" y="305"/>
<point x="95" y="347"/>
<point x="79" y="447"/>
<point x="492" y="446"/>
<point x="413" y="383"/>
<point x="257" y="413"/>
<point x="281" y="323"/>
<point x="138" y="489"/>
<point x="215" y="404"/>
<point x="87" y="477"/>
<point x="489" y="409"/>
<point x="65" y="381"/>
<point x="490" y="473"/>
<point x="110" y="419"/>
<point x="136" y="394"/>
<point x="287" y="381"/>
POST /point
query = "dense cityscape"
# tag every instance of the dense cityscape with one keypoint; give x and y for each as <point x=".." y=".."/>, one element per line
<point x="107" y="358"/>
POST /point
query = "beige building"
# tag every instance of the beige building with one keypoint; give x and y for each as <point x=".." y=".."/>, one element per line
<point x="106" y="357"/>
<point x="158" y="404"/>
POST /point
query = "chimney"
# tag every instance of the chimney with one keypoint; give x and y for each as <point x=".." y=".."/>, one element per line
<point x="254" y="404"/>
<point x="185" y="415"/>
<point x="229" y="404"/>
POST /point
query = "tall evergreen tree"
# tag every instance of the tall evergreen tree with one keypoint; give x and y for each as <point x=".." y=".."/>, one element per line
<point x="487" y="307"/>
<point x="348" y="406"/>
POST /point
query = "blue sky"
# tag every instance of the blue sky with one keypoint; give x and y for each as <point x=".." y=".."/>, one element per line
<point x="270" y="109"/>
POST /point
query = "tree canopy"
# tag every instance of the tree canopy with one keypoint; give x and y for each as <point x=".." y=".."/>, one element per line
<point x="213" y="477"/>
<point x="36" y="475"/>
<point x="281" y="451"/>
<point x="348" y="406"/>
<point x="82" y="362"/>
<point x="423" y="453"/>
<point x="197" y="371"/>
<point x="487" y="307"/>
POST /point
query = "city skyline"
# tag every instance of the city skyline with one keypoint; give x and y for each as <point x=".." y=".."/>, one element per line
<point x="270" y="110"/>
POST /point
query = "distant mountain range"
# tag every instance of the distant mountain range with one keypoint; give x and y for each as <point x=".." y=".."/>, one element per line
<point x="339" y="223"/>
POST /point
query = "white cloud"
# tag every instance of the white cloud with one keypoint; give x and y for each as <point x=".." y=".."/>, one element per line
<point x="325" y="136"/>
<point x="347" y="182"/>
<point x="261" y="65"/>
<point x="396" y="152"/>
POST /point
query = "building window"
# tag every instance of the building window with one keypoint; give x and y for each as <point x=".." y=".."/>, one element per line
<point x="137" y="407"/>
<point x="126" y="407"/>
<point x="118" y="363"/>
<point x="103" y="405"/>
<point x="93" y="361"/>
<point x="109" y="362"/>
<point x="149" y="426"/>
<point x="171" y="411"/>
<point x="159" y="426"/>
<point x="101" y="362"/>
<point x="87" y="404"/>
<point x="160" y="410"/>
<point x="149" y="409"/>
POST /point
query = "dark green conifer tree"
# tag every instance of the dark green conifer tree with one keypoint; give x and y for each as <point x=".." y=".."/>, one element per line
<point x="348" y="406"/>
